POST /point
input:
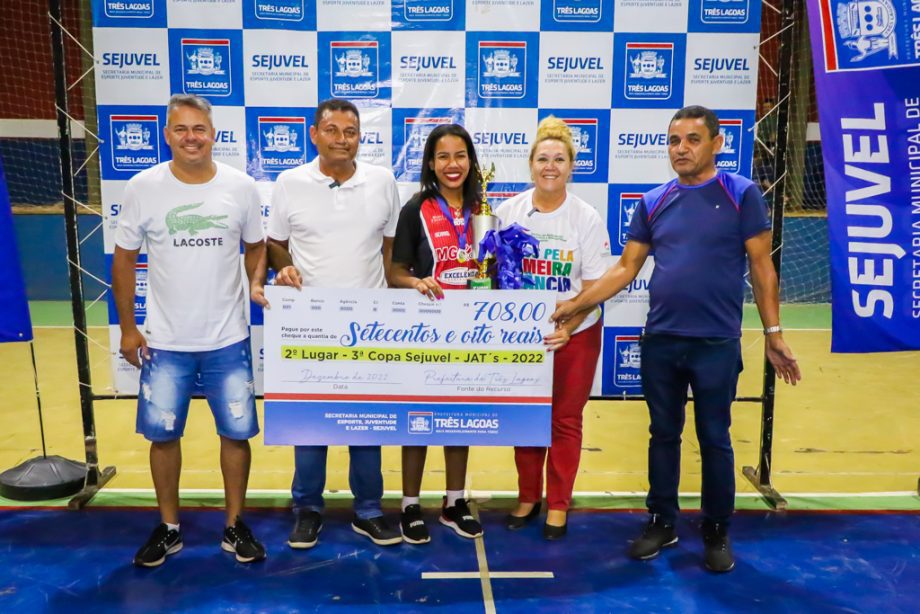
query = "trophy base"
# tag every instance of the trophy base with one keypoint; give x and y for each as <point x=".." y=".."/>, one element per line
<point x="478" y="283"/>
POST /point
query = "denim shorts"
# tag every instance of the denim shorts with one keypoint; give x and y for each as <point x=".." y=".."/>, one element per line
<point x="224" y="376"/>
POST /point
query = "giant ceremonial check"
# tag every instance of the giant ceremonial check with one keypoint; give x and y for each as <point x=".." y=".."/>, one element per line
<point x="359" y="367"/>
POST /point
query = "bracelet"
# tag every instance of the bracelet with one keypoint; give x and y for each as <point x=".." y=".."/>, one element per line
<point x="773" y="329"/>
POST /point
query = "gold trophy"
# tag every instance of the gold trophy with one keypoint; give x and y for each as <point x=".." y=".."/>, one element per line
<point x="483" y="222"/>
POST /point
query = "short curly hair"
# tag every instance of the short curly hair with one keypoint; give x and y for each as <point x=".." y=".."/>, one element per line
<point x="554" y="129"/>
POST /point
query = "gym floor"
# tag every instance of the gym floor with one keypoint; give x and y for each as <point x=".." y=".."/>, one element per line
<point x="845" y="441"/>
<point x="62" y="561"/>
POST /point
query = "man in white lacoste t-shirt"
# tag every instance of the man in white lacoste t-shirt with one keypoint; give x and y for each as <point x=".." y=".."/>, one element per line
<point x="192" y="213"/>
<point x="331" y="226"/>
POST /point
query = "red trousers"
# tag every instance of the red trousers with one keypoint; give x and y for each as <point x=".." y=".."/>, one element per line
<point x="573" y="373"/>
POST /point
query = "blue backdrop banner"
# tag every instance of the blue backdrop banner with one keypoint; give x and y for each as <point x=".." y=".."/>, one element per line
<point x="15" y="324"/>
<point x="615" y="71"/>
<point x="867" y="67"/>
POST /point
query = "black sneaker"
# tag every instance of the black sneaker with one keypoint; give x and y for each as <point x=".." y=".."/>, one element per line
<point x="718" y="556"/>
<point x="162" y="542"/>
<point x="306" y="530"/>
<point x="238" y="539"/>
<point x="412" y="526"/>
<point x="657" y="535"/>
<point x="377" y="530"/>
<point x="459" y="518"/>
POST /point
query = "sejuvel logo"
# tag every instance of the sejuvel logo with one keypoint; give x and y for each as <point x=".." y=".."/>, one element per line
<point x="628" y="355"/>
<point x="415" y="133"/>
<point x="429" y="10"/>
<point x="418" y="63"/>
<point x="649" y="68"/>
<point x="629" y="202"/>
<point x="354" y="71"/>
<point x="501" y="69"/>
<point x="126" y="59"/>
<point x="584" y="137"/>
<point x="575" y="63"/>
<point x="725" y="11"/>
<point x="866" y="27"/>
<point x="280" y="10"/>
<point x="635" y="140"/>
<point x="226" y="137"/>
<point x="729" y="159"/>
<point x="140" y="291"/>
<point x="271" y="61"/>
<point x="206" y="66"/>
<point x="497" y="197"/>
<point x="577" y="11"/>
<point x="128" y="8"/>
<point x="281" y="142"/>
<point x="420" y="422"/>
<point x="136" y="142"/>
<point x="714" y="65"/>
<point x="500" y="138"/>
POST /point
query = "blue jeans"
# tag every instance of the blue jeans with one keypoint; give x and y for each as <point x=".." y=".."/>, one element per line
<point x="364" y="478"/>
<point x="710" y="367"/>
<point x="168" y="380"/>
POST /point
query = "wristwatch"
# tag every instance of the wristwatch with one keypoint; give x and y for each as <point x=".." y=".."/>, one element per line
<point x="773" y="329"/>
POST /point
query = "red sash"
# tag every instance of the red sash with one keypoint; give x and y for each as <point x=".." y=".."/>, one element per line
<point x="451" y="268"/>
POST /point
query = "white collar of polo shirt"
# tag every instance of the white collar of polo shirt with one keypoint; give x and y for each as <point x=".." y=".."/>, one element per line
<point x="359" y="177"/>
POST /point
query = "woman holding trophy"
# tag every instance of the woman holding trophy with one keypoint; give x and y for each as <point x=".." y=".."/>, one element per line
<point x="573" y="253"/>
<point x="433" y="252"/>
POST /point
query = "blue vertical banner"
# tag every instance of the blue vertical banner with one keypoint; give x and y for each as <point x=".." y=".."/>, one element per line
<point x="867" y="67"/>
<point x="15" y="324"/>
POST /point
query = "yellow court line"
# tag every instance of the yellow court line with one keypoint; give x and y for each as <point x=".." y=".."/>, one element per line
<point x="485" y="581"/>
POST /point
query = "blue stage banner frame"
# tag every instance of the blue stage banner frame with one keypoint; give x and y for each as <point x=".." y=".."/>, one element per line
<point x="866" y="75"/>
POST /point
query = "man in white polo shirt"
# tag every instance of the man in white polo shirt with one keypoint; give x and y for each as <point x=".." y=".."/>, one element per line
<point x="331" y="226"/>
<point x="192" y="213"/>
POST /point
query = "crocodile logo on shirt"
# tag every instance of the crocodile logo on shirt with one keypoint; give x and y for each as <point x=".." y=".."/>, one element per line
<point x="191" y="223"/>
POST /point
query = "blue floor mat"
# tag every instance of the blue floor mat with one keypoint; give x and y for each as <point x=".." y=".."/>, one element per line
<point x="55" y="560"/>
